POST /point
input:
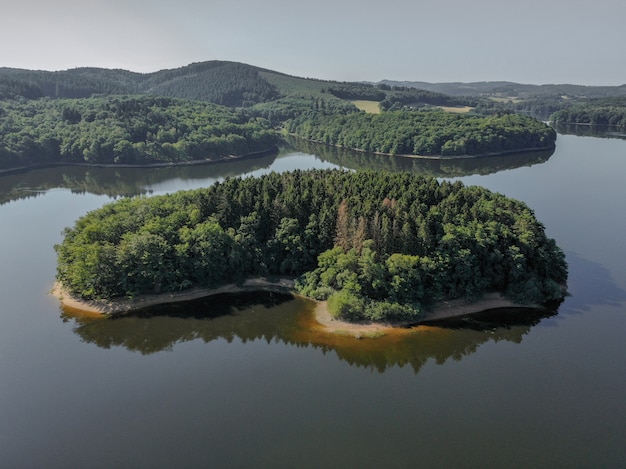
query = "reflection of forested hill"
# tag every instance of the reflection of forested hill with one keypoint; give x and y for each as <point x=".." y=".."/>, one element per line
<point x="118" y="182"/>
<point x="584" y="130"/>
<point x="446" y="167"/>
<point x="281" y="318"/>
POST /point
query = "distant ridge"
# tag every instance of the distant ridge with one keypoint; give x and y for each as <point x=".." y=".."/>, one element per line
<point x="238" y="84"/>
<point x="507" y="89"/>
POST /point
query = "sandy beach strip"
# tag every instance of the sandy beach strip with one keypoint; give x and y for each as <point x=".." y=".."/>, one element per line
<point x="122" y="305"/>
<point x="444" y="310"/>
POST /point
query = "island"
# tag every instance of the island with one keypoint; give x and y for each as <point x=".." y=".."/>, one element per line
<point x="374" y="246"/>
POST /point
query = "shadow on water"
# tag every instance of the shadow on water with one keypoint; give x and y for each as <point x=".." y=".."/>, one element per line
<point x="447" y="167"/>
<point x="118" y="182"/>
<point x="283" y="318"/>
<point x="590" y="284"/>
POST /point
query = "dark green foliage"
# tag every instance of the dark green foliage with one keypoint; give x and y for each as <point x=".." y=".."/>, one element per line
<point x="379" y="246"/>
<point x="75" y="83"/>
<point x="357" y="91"/>
<point x="226" y="83"/>
<point x="125" y="130"/>
<point x="284" y="109"/>
<point x="425" y="133"/>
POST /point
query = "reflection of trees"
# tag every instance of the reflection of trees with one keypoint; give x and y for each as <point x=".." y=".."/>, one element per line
<point x="123" y="182"/>
<point x="585" y="130"/>
<point x="118" y="182"/>
<point x="446" y="167"/>
<point x="450" y="339"/>
<point x="276" y="317"/>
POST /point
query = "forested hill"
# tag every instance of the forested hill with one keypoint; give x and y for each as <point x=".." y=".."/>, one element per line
<point x="227" y="83"/>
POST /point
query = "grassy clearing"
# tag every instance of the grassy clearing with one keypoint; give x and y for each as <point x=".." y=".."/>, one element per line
<point x="505" y="100"/>
<point x="457" y="109"/>
<point x="370" y="107"/>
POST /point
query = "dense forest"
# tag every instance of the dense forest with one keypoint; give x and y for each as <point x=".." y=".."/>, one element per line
<point x="126" y="130"/>
<point x="424" y="132"/>
<point x="227" y="83"/>
<point x="375" y="245"/>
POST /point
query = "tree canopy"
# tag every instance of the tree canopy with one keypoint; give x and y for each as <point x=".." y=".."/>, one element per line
<point x="126" y="130"/>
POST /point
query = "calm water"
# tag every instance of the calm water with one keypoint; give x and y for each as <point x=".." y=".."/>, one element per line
<point x="251" y="383"/>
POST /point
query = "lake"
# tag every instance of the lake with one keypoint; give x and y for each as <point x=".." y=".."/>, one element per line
<point x="249" y="381"/>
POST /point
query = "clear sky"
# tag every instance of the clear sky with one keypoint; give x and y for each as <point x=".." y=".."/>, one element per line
<point x="529" y="41"/>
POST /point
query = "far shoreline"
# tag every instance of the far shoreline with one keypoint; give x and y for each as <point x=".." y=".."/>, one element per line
<point x="165" y="164"/>
<point x="431" y="157"/>
<point x="230" y="158"/>
<point x="443" y="310"/>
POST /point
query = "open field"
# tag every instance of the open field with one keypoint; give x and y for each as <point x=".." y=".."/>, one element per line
<point x="458" y="109"/>
<point x="371" y="107"/>
<point x="505" y="100"/>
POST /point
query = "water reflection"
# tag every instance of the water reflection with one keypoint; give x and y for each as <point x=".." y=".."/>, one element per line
<point x="452" y="167"/>
<point x="126" y="182"/>
<point x="282" y="318"/>
<point x="118" y="182"/>
<point x="585" y="130"/>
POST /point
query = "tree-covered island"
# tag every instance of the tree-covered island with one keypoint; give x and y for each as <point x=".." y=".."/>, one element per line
<point x="376" y="245"/>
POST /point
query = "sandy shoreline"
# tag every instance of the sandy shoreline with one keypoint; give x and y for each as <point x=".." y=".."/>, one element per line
<point x="444" y="310"/>
<point x="122" y="305"/>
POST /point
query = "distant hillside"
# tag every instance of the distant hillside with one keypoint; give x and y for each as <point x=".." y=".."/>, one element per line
<point x="240" y="85"/>
<point x="506" y="89"/>
<point x="228" y="83"/>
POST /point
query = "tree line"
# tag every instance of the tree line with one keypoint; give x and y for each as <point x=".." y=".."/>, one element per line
<point x="424" y="132"/>
<point x="376" y="245"/>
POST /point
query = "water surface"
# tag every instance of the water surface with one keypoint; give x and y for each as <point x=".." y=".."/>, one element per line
<point x="250" y="383"/>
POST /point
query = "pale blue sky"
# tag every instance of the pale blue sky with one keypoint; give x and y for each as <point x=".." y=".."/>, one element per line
<point x="530" y="41"/>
